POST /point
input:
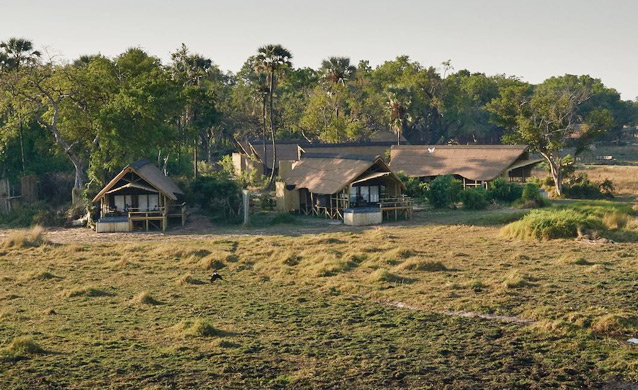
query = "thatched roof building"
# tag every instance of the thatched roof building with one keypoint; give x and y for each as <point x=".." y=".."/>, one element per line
<point x="139" y="195"/>
<point x="329" y="184"/>
<point x="474" y="164"/>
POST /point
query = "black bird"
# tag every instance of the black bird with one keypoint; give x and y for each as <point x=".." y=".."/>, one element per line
<point x="215" y="276"/>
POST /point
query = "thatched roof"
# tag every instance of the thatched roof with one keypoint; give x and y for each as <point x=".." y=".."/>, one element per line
<point x="328" y="174"/>
<point x="286" y="150"/>
<point x="473" y="162"/>
<point x="147" y="172"/>
<point x="370" y="149"/>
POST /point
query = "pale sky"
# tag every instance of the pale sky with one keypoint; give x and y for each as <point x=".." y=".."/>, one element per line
<point x="532" y="39"/>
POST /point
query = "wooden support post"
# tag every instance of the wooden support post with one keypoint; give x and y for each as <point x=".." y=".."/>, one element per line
<point x="147" y="225"/>
<point x="246" y="200"/>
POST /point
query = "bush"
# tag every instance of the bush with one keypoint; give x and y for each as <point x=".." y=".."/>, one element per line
<point x="580" y="187"/>
<point x="531" y="193"/>
<point x="474" y="198"/>
<point x="414" y="187"/>
<point x="444" y="191"/>
<point x="504" y="191"/>
<point x="550" y="224"/>
<point x="218" y="195"/>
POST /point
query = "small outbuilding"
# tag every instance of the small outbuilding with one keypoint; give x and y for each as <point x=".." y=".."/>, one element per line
<point x="357" y="189"/>
<point x="140" y="197"/>
<point x="475" y="165"/>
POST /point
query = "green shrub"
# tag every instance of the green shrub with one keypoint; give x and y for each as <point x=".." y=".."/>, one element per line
<point x="504" y="191"/>
<point x="444" y="191"/>
<point x="531" y="192"/>
<point x="474" y="198"/>
<point x="35" y="214"/>
<point x="550" y="224"/>
<point x="217" y="195"/>
<point x="580" y="187"/>
<point x="414" y="187"/>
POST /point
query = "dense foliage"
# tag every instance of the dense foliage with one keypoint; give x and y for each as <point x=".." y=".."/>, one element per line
<point x="444" y="191"/>
<point x="94" y="114"/>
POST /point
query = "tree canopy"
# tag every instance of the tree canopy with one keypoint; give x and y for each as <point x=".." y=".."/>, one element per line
<point x="94" y="114"/>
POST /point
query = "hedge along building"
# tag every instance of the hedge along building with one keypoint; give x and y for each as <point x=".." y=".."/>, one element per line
<point x="475" y="165"/>
<point x="139" y="197"/>
<point x="347" y="187"/>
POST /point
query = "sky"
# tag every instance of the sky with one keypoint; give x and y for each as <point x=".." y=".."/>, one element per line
<point x="531" y="39"/>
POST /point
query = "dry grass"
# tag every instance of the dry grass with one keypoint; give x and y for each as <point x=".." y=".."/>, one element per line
<point x="145" y="298"/>
<point x="87" y="291"/>
<point x="24" y="345"/>
<point x="33" y="237"/>
<point x="304" y="307"/>
<point x="615" y="220"/>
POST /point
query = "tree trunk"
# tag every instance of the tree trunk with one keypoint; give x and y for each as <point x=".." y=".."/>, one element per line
<point x="272" y="131"/>
<point x="24" y="166"/>
<point x="80" y="179"/>
<point x="263" y="116"/>
<point x="555" y="171"/>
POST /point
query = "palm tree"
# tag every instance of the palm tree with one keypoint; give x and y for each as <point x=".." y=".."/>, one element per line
<point x="18" y="52"/>
<point x="337" y="70"/>
<point x="398" y="102"/>
<point x="272" y="60"/>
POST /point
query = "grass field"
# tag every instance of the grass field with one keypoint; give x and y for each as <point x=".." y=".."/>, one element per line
<point x="443" y="302"/>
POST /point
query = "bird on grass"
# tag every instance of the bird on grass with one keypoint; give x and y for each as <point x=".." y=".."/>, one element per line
<point x="215" y="276"/>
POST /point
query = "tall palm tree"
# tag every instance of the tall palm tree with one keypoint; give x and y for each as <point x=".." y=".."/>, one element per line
<point x="272" y="60"/>
<point x="17" y="52"/>
<point x="398" y="102"/>
<point x="337" y="70"/>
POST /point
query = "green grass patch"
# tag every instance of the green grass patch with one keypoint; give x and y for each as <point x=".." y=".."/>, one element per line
<point x="551" y="224"/>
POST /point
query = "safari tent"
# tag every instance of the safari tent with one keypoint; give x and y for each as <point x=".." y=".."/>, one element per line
<point x="342" y="187"/>
<point x="140" y="197"/>
<point x="475" y="165"/>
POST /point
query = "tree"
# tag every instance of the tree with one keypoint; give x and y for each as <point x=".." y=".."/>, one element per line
<point x="337" y="70"/>
<point x="273" y="61"/>
<point x="197" y="77"/>
<point x="546" y="116"/>
<point x="18" y="52"/>
<point x="398" y="104"/>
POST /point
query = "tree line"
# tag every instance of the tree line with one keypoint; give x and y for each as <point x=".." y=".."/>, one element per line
<point x="94" y="114"/>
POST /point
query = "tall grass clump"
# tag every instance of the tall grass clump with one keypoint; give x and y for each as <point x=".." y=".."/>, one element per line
<point x="615" y="220"/>
<point x="197" y="328"/>
<point x="550" y="224"/>
<point x="24" y="345"/>
<point x="25" y="238"/>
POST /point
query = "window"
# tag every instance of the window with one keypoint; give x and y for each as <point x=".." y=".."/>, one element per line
<point x="374" y="194"/>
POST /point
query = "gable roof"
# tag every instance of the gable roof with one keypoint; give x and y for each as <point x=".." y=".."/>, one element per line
<point x="327" y="174"/>
<point x="286" y="150"/>
<point x="473" y="162"/>
<point x="150" y="174"/>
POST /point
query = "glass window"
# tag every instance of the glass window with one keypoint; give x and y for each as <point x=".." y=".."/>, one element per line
<point x="365" y="193"/>
<point x="353" y="195"/>
<point x="374" y="194"/>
